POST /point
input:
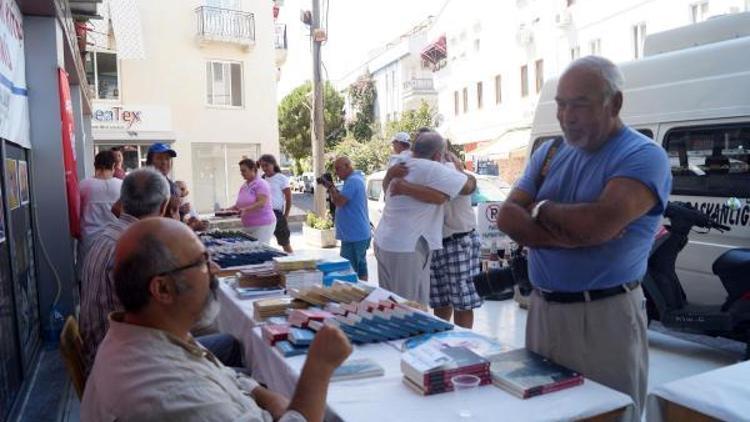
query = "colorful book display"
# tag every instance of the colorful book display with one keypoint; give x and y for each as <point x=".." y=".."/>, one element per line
<point x="525" y="374"/>
<point x="486" y="347"/>
<point x="266" y="308"/>
<point x="288" y="349"/>
<point x="273" y="333"/>
<point x="428" y="370"/>
<point x="232" y="250"/>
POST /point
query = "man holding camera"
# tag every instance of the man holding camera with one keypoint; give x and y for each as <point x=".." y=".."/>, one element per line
<point x="352" y="222"/>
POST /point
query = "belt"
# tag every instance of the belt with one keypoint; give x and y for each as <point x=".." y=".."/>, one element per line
<point x="456" y="236"/>
<point x="588" y="295"/>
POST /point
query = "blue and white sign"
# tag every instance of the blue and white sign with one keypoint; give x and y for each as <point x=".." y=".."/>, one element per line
<point x="14" y="99"/>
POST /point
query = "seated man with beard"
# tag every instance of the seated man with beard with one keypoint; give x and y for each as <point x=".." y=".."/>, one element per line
<point x="149" y="367"/>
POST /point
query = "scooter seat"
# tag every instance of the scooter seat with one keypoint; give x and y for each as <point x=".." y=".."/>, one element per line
<point x="734" y="262"/>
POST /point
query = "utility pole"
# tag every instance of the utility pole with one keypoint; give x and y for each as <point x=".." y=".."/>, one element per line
<point x="317" y="127"/>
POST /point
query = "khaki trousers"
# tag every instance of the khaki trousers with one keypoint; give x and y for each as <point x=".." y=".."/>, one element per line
<point x="406" y="273"/>
<point x="605" y="340"/>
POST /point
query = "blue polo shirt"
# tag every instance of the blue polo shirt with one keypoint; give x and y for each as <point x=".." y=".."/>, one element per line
<point x="352" y="220"/>
<point x="576" y="176"/>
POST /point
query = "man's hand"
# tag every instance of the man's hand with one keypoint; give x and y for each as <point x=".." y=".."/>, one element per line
<point x="330" y="348"/>
<point x="399" y="170"/>
<point x="397" y="187"/>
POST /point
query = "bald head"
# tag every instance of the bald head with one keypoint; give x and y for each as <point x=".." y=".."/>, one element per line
<point x="144" y="192"/>
<point x="343" y="167"/>
<point x="429" y="145"/>
<point x="146" y="249"/>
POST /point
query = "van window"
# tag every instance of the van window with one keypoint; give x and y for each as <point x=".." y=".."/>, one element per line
<point x="710" y="160"/>
<point x="541" y="140"/>
<point x="374" y="188"/>
<point x="646" y="132"/>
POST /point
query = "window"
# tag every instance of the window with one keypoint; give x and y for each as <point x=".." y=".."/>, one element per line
<point x="476" y="45"/>
<point x="647" y="132"/>
<point x="216" y="174"/>
<point x="698" y="12"/>
<point x="479" y="94"/>
<point x="374" y="189"/>
<point x="710" y="160"/>
<point x="224" y="4"/>
<point x="102" y="74"/>
<point x="133" y="156"/>
<point x="575" y="53"/>
<point x="456" y="106"/>
<point x="498" y="89"/>
<point x="224" y="83"/>
<point x="596" y="47"/>
<point x="524" y="81"/>
<point x="466" y="100"/>
<point x="539" y="67"/>
<point x="639" y="34"/>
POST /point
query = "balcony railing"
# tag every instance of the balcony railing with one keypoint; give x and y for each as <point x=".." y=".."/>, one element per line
<point x="279" y="39"/>
<point x="418" y="85"/>
<point x="224" y="25"/>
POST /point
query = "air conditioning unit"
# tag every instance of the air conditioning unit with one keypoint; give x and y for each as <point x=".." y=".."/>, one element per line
<point x="524" y="36"/>
<point x="563" y="19"/>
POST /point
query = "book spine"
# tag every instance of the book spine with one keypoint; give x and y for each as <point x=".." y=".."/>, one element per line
<point x="551" y="388"/>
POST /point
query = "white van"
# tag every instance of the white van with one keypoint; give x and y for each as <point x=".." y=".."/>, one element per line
<point x="691" y="94"/>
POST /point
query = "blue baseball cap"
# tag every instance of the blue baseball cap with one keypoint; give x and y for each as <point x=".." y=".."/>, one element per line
<point x="159" y="148"/>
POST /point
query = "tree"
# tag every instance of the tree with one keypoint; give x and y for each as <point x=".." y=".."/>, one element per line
<point x="411" y="120"/>
<point x="368" y="156"/>
<point x="362" y="97"/>
<point x="294" y="120"/>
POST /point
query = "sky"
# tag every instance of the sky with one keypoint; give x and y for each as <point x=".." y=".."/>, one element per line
<point x="355" y="27"/>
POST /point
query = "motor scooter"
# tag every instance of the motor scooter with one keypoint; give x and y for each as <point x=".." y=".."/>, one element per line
<point x="666" y="299"/>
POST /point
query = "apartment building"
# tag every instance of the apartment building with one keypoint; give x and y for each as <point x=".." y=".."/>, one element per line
<point x="197" y="74"/>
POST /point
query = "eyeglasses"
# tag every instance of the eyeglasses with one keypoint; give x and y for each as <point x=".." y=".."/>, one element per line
<point x="205" y="259"/>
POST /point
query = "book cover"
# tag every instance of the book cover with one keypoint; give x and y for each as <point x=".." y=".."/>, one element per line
<point x="358" y="368"/>
<point x="430" y="391"/>
<point x="429" y="365"/>
<point x="527" y="374"/>
<point x="484" y="346"/>
<point x="288" y="349"/>
<point x="300" y="337"/>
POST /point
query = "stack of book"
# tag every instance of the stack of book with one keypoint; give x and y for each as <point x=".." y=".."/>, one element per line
<point x="256" y="292"/>
<point x="261" y="275"/>
<point x="372" y="322"/>
<point x="301" y="317"/>
<point x="274" y="333"/>
<point x="266" y="308"/>
<point x="294" y="263"/>
<point x="525" y="374"/>
<point x="338" y="292"/>
<point x="288" y="349"/>
<point x="300" y="336"/>
<point x="428" y="370"/>
<point x="486" y="347"/>
<point x="300" y="279"/>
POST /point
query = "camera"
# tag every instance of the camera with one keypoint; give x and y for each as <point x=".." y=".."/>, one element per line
<point x="496" y="281"/>
<point x="326" y="180"/>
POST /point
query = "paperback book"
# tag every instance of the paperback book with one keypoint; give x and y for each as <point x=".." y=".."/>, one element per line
<point x="525" y="374"/>
<point x="358" y="368"/>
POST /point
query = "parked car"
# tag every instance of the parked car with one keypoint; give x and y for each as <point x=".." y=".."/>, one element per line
<point x="489" y="189"/>
<point x="308" y="182"/>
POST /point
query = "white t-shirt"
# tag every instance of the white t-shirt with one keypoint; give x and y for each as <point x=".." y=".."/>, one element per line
<point x="97" y="198"/>
<point x="406" y="219"/>
<point x="278" y="182"/>
<point x="401" y="157"/>
<point x="459" y="215"/>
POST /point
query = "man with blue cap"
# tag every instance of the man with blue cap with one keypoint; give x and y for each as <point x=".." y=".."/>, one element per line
<point x="160" y="157"/>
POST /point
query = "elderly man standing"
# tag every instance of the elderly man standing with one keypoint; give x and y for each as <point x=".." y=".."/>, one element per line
<point x="411" y="227"/>
<point x="352" y="221"/>
<point x="160" y="157"/>
<point x="588" y="209"/>
<point x="401" y="145"/>
<point x="149" y="367"/>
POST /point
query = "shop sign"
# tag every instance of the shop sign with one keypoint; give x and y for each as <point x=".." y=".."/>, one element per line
<point x="14" y="99"/>
<point x="131" y="118"/>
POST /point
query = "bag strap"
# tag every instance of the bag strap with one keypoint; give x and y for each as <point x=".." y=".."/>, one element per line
<point x="547" y="163"/>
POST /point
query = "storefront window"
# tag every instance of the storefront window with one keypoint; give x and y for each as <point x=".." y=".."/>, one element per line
<point x="102" y="75"/>
<point x="216" y="175"/>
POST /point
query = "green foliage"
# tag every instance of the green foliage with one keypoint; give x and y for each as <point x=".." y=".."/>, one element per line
<point x="411" y="120"/>
<point x="320" y="223"/>
<point x="369" y="156"/>
<point x="294" y="119"/>
<point x="362" y="97"/>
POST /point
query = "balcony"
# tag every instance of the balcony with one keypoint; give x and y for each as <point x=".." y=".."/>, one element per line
<point x="417" y="90"/>
<point x="225" y="26"/>
<point x="280" y="43"/>
<point x="419" y="85"/>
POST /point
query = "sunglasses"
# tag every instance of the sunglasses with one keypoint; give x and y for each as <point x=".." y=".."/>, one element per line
<point x="205" y="259"/>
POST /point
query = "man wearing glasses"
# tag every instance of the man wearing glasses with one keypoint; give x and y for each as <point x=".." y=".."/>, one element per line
<point x="164" y="280"/>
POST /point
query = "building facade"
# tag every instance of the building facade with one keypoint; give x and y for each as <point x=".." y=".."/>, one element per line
<point x="401" y="82"/>
<point x="490" y="60"/>
<point x="205" y="83"/>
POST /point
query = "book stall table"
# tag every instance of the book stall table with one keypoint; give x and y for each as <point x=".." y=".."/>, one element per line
<point x="386" y="398"/>
<point x="721" y="394"/>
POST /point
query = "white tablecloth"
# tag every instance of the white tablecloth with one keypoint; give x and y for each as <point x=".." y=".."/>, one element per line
<point x="386" y="398"/>
<point x="723" y="394"/>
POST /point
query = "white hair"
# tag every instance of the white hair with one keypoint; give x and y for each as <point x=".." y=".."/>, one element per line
<point x="614" y="81"/>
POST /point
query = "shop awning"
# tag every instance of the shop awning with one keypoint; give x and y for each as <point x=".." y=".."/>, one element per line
<point x="502" y="147"/>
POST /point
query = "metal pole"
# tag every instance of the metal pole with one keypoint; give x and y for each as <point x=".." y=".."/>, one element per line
<point x="317" y="128"/>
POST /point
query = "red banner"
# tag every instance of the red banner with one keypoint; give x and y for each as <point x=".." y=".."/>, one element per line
<point x="69" y="155"/>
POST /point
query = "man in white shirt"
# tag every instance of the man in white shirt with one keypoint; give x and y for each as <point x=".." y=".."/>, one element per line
<point x="411" y="227"/>
<point x="149" y="367"/>
<point x="401" y="145"/>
